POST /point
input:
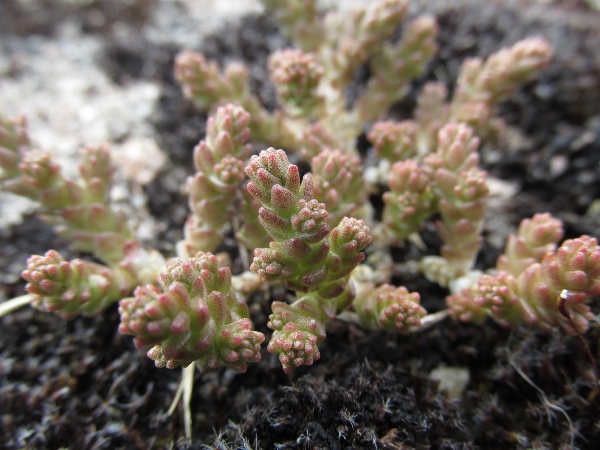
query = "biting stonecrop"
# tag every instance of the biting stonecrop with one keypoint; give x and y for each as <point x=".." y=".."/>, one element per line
<point x="303" y="254"/>
<point x="83" y="213"/>
<point x="219" y="161"/>
<point x="193" y="316"/>
<point x="310" y="233"/>
<point x="535" y="282"/>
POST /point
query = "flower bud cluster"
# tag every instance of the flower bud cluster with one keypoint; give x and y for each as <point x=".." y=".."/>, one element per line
<point x="204" y="83"/>
<point x="192" y="317"/>
<point x="410" y="199"/>
<point x="337" y="180"/>
<point x="70" y="288"/>
<point x="536" y="283"/>
<point x="389" y="308"/>
<point x="300" y="255"/>
<point x="298" y="330"/>
<point x="394" y="141"/>
<point x="297" y="76"/>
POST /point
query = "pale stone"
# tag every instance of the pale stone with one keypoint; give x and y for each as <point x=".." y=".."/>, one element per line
<point x="452" y="380"/>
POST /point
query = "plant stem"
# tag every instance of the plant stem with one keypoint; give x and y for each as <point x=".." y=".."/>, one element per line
<point x="186" y="386"/>
<point x="15" y="303"/>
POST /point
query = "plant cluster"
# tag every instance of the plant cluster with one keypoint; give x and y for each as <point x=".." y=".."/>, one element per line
<point x="310" y="233"/>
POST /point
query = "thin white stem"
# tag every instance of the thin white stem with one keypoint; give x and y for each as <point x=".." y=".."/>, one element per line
<point x="432" y="319"/>
<point x="426" y="322"/>
<point x="185" y="388"/>
<point x="15" y="303"/>
<point x="177" y="397"/>
<point x="188" y="387"/>
<point x="349" y="317"/>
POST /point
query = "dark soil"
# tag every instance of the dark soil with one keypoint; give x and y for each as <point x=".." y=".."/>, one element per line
<point x="80" y="384"/>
